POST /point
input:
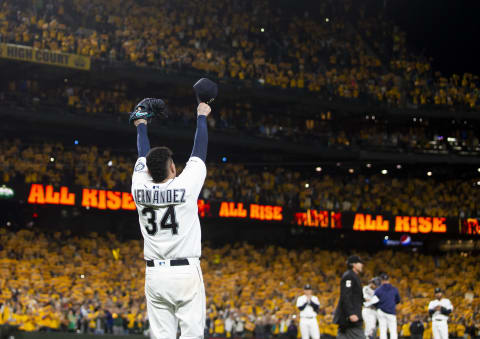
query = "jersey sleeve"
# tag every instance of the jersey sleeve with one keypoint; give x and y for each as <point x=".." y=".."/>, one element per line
<point x="193" y="176"/>
<point x="140" y="171"/>
<point x="300" y="301"/>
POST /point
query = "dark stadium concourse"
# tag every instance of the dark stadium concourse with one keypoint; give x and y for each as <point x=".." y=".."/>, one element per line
<point x="341" y="129"/>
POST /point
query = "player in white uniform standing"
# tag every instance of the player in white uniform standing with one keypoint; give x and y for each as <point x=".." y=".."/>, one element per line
<point x="308" y="305"/>
<point x="369" y="311"/>
<point x="168" y="217"/>
<point x="439" y="310"/>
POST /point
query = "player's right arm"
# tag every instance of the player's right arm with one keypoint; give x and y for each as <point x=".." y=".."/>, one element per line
<point x="143" y="144"/>
<point x="301" y="303"/>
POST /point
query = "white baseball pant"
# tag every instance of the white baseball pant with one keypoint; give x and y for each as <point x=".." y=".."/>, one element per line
<point x="309" y="328"/>
<point x="385" y="321"/>
<point x="440" y="329"/>
<point x="369" y="316"/>
<point x="175" y="295"/>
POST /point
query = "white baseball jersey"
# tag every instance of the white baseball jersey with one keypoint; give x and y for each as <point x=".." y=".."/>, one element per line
<point x="368" y="293"/>
<point x="308" y="311"/>
<point x="168" y="212"/>
<point x="444" y="302"/>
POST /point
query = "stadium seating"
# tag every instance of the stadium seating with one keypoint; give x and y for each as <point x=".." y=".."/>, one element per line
<point x="62" y="281"/>
<point x="89" y="166"/>
<point x="273" y="47"/>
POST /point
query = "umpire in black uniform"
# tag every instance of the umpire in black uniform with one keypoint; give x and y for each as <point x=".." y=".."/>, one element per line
<point x="348" y="314"/>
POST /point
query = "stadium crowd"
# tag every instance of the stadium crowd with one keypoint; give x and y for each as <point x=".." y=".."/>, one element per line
<point x="95" y="284"/>
<point x="328" y="53"/>
<point x="89" y="166"/>
<point x="250" y="118"/>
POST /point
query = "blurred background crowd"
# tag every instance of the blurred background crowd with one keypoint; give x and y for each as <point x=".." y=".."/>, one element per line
<point x="339" y="50"/>
<point x="300" y="188"/>
<point x="94" y="284"/>
<point x="250" y="117"/>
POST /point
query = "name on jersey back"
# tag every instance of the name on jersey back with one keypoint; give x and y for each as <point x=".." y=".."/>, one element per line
<point x="156" y="196"/>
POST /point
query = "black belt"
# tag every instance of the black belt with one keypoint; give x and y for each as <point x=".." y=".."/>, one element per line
<point x="173" y="262"/>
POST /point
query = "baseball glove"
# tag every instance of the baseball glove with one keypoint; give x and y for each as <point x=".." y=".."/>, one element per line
<point x="147" y="109"/>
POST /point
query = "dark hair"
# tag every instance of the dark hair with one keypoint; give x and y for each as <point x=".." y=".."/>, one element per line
<point x="158" y="162"/>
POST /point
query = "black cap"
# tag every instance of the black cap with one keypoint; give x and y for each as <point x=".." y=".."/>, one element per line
<point x="376" y="281"/>
<point x="353" y="259"/>
<point x="438" y="290"/>
<point x="384" y="276"/>
<point x="307" y="287"/>
<point x="205" y="90"/>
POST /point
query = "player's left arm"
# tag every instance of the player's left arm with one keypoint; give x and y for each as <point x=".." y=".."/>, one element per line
<point x="200" y="142"/>
<point x="143" y="143"/>
<point x="195" y="170"/>
<point x="315" y="304"/>
<point x="447" y="309"/>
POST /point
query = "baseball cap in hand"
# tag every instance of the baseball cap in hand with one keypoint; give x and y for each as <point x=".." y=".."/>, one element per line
<point x="205" y="90"/>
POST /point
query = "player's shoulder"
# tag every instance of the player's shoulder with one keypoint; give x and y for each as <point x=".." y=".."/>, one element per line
<point x="140" y="165"/>
<point x="197" y="162"/>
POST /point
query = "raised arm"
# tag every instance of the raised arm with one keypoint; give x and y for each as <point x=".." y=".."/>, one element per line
<point x="143" y="144"/>
<point x="200" y="143"/>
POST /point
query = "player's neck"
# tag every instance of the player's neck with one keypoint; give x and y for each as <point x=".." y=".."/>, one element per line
<point x="170" y="177"/>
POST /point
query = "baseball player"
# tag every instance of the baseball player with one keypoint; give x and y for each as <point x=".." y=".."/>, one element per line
<point x="308" y="305"/>
<point x="369" y="311"/>
<point x="439" y="310"/>
<point x="168" y="217"/>
<point x="386" y="298"/>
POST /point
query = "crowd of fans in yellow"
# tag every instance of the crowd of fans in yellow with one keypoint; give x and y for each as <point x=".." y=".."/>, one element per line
<point x="89" y="166"/>
<point x="95" y="283"/>
<point x="246" y="41"/>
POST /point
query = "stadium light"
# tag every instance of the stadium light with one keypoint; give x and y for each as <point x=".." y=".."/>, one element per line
<point x="110" y="163"/>
<point x="351" y="170"/>
<point x="327" y="19"/>
<point x="384" y="171"/>
<point x="429" y="173"/>
<point x="52" y="159"/>
<point x="478" y="169"/>
<point x="75" y="142"/>
<point x="318" y="169"/>
<point x="369" y="165"/>
<point x="307" y="185"/>
<point x="399" y="166"/>
<point x="262" y="29"/>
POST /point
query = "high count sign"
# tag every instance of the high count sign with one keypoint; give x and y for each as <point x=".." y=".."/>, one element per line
<point x="109" y="200"/>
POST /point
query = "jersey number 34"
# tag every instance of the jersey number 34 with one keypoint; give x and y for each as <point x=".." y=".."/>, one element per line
<point x="168" y="221"/>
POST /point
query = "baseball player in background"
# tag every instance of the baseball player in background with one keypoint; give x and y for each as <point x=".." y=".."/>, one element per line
<point x="369" y="311"/>
<point x="168" y="217"/>
<point x="308" y="305"/>
<point x="439" y="310"/>
<point x="388" y="298"/>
